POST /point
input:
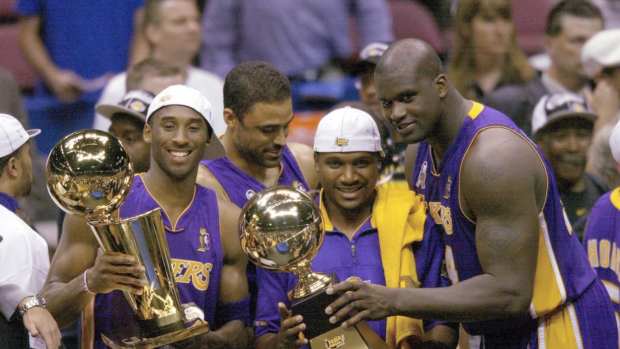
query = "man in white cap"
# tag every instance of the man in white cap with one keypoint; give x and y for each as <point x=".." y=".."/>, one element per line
<point x="602" y="236"/>
<point x="201" y="232"/>
<point x="601" y="59"/>
<point x="24" y="260"/>
<point x="368" y="235"/>
<point x="562" y="125"/>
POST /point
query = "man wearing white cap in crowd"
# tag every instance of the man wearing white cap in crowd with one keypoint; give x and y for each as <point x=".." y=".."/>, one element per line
<point x="562" y="125"/>
<point x="202" y="236"/>
<point x="602" y="236"/>
<point x="24" y="260"/>
<point x="601" y="60"/>
<point x="367" y="236"/>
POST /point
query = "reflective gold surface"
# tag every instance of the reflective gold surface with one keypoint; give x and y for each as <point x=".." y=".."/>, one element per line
<point x="282" y="229"/>
<point x="89" y="174"/>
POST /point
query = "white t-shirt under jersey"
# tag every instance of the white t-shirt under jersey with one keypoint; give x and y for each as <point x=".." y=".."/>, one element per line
<point x="210" y="85"/>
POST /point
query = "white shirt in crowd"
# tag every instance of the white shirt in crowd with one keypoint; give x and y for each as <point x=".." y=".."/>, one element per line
<point x="210" y="85"/>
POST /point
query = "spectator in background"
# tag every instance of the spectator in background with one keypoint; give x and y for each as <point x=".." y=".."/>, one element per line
<point x="365" y="69"/>
<point x="24" y="261"/>
<point x="172" y="30"/>
<point x="562" y="126"/>
<point x="73" y="46"/>
<point x="297" y="37"/>
<point x="570" y="23"/>
<point x="601" y="60"/>
<point x="485" y="53"/>
<point x="602" y="237"/>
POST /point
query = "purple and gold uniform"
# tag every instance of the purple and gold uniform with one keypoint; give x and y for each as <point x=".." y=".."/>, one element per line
<point x="602" y="240"/>
<point x="240" y="186"/>
<point x="196" y="255"/>
<point x="339" y="256"/>
<point x="569" y="307"/>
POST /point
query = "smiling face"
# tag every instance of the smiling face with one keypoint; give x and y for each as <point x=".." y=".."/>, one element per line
<point x="260" y="134"/>
<point x="348" y="179"/>
<point x="411" y="101"/>
<point x="177" y="135"/>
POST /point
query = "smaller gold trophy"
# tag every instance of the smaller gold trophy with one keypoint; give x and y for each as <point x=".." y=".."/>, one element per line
<point x="282" y="230"/>
<point x="89" y="174"/>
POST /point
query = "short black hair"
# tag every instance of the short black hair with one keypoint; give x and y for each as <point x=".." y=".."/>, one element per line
<point x="577" y="8"/>
<point x="148" y="68"/>
<point x="255" y="82"/>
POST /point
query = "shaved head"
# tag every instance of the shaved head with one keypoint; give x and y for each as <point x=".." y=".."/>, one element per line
<point x="410" y="56"/>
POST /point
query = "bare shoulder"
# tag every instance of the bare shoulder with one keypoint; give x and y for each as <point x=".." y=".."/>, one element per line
<point x="502" y="166"/>
<point x="411" y="154"/>
<point x="206" y="179"/>
<point x="229" y="229"/>
<point x="305" y="159"/>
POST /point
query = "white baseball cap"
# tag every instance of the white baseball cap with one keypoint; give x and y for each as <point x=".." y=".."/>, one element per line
<point x="555" y="108"/>
<point x="13" y="135"/>
<point x="601" y="51"/>
<point x="614" y="142"/>
<point x="346" y="130"/>
<point x="134" y="103"/>
<point x="184" y="96"/>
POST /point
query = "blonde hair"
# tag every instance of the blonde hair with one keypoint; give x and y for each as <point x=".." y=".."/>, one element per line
<point x="462" y="65"/>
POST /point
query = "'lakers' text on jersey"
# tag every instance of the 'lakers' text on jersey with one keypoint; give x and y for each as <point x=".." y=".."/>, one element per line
<point x="562" y="274"/>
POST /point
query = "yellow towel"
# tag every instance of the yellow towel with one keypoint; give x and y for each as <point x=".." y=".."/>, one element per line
<point x="398" y="214"/>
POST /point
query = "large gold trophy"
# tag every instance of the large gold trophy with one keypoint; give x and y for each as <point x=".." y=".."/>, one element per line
<point x="282" y="229"/>
<point x="89" y="174"/>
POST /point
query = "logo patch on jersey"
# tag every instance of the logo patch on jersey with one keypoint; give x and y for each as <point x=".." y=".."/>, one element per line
<point x="249" y="193"/>
<point x="421" y="182"/>
<point x="204" y="241"/>
<point x="446" y="192"/>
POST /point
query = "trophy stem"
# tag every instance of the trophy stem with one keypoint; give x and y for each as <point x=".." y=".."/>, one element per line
<point x="309" y="282"/>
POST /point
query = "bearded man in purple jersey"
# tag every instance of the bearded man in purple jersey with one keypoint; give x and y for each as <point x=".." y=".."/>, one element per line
<point x="520" y="278"/>
<point x="201" y="233"/>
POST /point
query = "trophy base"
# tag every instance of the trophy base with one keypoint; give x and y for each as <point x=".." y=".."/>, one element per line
<point x="199" y="327"/>
<point x="360" y="336"/>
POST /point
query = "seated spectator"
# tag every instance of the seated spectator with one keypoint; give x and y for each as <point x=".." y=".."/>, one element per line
<point x="570" y="23"/>
<point x="172" y="30"/>
<point x="297" y="37"/>
<point x="601" y="59"/>
<point x="485" y="54"/>
<point x="73" y="46"/>
<point x="562" y="126"/>
<point x="602" y="236"/>
<point x="24" y="261"/>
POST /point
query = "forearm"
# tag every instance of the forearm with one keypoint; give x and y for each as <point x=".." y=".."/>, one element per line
<point x="233" y="335"/>
<point x="65" y="301"/>
<point x="34" y="50"/>
<point x="480" y="298"/>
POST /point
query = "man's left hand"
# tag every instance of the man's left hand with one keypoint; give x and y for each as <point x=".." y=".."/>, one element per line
<point x="359" y="301"/>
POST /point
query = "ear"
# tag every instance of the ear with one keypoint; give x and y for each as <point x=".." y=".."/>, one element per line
<point x="147" y="133"/>
<point x="316" y="162"/>
<point x="151" y="33"/>
<point x="230" y="118"/>
<point x="441" y="84"/>
<point x="13" y="167"/>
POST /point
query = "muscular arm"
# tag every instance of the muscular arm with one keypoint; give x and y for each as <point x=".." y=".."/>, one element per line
<point x="304" y="155"/>
<point x="504" y="200"/>
<point x="233" y="283"/>
<point x="76" y="252"/>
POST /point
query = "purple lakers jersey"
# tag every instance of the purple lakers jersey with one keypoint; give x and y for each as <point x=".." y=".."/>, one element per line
<point x="602" y="239"/>
<point x="196" y="256"/>
<point x="562" y="269"/>
<point x="240" y="186"/>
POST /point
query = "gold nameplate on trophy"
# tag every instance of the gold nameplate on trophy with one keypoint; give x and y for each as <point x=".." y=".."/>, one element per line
<point x="282" y="230"/>
<point x="89" y="174"/>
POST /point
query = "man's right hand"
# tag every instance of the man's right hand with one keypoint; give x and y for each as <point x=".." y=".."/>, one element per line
<point x="291" y="329"/>
<point x="65" y="84"/>
<point x="116" y="271"/>
<point x="40" y="323"/>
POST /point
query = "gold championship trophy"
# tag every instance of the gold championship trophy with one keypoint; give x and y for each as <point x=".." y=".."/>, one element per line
<point x="89" y="174"/>
<point x="282" y="230"/>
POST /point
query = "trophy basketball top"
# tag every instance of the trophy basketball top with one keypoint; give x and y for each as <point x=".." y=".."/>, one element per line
<point x="89" y="173"/>
<point x="281" y="227"/>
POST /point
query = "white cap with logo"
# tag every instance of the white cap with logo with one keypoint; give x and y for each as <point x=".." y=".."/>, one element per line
<point x="346" y="130"/>
<point x="13" y="135"/>
<point x="184" y="96"/>
<point x="601" y="51"/>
